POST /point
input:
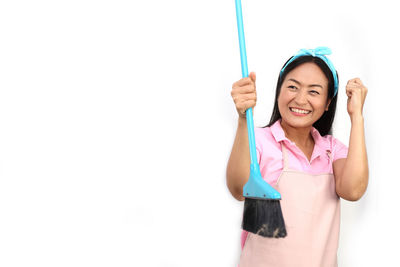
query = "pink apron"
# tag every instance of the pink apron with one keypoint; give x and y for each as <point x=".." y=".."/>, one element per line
<point x="311" y="209"/>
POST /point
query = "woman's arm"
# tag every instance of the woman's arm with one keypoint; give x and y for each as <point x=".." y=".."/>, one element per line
<point x="238" y="168"/>
<point x="351" y="173"/>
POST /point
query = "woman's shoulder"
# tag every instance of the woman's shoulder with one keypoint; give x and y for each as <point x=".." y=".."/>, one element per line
<point x="332" y="141"/>
<point x="266" y="144"/>
<point x="336" y="146"/>
<point x="263" y="132"/>
<point x="265" y="137"/>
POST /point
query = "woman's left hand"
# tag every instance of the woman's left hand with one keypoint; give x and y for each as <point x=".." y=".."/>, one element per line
<point x="356" y="93"/>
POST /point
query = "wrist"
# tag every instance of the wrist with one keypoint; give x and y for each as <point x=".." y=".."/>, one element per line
<point x="358" y="117"/>
<point x="242" y="121"/>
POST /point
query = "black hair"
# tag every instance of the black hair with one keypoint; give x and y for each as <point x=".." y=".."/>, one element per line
<point x="323" y="124"/>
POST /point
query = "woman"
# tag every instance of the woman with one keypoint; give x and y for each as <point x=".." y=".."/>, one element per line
<point x="300" y="158"/>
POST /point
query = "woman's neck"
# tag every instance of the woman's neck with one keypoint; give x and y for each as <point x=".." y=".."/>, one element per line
<point x="301" y="136"/>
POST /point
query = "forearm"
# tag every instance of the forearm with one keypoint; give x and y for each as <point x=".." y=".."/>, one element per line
<point x="354" y="177"/>
<point x="238" y="169"/>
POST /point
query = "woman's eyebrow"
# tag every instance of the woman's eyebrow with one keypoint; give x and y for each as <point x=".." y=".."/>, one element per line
<point x="311" y="85"/>
<point x="293" y="80"/>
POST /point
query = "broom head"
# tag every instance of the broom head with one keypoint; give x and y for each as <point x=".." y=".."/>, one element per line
<point x="262" y="213"/>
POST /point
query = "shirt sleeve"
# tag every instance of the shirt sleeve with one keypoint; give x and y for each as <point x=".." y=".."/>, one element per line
<point x="340" y="150"/>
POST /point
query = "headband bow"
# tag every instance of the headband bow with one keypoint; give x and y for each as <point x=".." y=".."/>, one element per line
<point x="319" y="52"/>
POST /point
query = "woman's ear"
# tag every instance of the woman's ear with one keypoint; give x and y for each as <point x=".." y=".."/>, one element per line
<point x="327" y="104"/>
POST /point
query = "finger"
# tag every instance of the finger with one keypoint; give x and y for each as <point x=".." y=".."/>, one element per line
<point x="349" y="90"/>
<point x="358" y="88"/>
<point x="348" y="93"/>
<point x="240" y="99"/>
<point x="354" y="86"/>
<point x="246" y="97"/>
<point x="253" y="76"/>
<point x="244" y="89"/>
<point x="358" y="81"/>
<point x="355" y="92"/>
<point x="352" y="82"/>
<point x="355" y="80"/>
<point x="245" y="105"/>
<point x="243" y="81"/>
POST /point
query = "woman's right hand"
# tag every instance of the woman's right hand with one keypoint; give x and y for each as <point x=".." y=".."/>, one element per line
<point x="244" y="94"/>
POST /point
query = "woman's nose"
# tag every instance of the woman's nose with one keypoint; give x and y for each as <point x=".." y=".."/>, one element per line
<point x="301" y="97"/>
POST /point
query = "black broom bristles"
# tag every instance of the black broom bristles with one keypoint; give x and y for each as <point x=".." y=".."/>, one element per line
<point x="263" y="217"/>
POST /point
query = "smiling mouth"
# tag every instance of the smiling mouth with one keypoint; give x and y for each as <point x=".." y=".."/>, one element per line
<point x="300" y="111"/>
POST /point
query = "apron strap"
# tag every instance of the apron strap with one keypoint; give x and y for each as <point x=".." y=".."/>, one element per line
<point x="284" y="156"/>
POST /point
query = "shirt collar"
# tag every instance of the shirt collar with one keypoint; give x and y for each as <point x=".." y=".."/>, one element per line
<point x="279" y="135"/>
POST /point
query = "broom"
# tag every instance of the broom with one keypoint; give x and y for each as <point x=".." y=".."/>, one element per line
<point x="262" y="214"/>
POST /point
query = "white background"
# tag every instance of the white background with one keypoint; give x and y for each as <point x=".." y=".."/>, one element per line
<point x="116" y="124"/>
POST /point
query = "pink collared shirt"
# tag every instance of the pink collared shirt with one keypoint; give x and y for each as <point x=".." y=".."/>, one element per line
<point x="269" y="152"/>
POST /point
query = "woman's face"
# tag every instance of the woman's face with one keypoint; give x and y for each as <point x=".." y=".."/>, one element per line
<point x="304" y="94"/>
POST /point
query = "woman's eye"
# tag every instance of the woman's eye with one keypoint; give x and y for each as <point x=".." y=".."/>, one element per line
<point x="292" y="87"/>
<point x="314" y="92"/>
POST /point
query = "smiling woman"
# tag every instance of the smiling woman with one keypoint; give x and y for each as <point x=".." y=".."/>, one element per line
<point x="309" y="79"/>
<point x="304" y="97"/>
<point x="300" y="158"/>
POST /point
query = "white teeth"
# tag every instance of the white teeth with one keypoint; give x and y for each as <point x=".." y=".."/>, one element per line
<point x="300" y="111"/>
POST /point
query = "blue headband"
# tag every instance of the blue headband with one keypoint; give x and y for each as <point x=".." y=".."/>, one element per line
<point x="317" y="52"/>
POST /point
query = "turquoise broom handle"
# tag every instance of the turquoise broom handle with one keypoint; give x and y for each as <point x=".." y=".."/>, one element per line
<point x="245" y="73"/>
